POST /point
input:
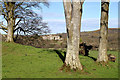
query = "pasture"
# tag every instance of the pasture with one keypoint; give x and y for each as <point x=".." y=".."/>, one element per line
<point x="20" y="61"/>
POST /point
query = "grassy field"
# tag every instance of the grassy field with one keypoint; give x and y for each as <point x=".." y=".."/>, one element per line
<point x="19" y="61"/>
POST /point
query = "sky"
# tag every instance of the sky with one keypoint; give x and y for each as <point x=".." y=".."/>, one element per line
<point x="54" y="16"/>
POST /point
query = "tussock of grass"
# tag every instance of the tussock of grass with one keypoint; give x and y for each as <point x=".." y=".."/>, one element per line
<point x="19" y="61"/>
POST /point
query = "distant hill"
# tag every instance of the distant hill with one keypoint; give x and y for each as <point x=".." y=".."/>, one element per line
<point x="89" y="37"/>
<point x="92" y="38"/>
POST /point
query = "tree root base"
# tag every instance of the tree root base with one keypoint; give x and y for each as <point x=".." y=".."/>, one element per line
<point x="102" y="63"/>
<point x="67" y="68"/>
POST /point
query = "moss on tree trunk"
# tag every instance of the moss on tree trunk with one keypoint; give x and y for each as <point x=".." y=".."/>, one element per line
<point x="102" y="57"/>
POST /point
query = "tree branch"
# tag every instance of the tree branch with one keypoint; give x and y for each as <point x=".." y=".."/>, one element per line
<point x="17" y="23"/>
<point x="18" y="5"/>
<point x="20" y="29"/>
<point x="2" y="27"/>
<point x="4" y="12"/>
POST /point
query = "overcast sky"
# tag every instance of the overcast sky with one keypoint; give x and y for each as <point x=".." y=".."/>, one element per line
<point x="54" y="16"/>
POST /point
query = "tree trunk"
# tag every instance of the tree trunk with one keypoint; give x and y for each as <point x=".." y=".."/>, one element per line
<point x="73" y="14"/>
<point x="102" y="57"/>
<point x="10" y="22"/>
<point x="10" y="32"/>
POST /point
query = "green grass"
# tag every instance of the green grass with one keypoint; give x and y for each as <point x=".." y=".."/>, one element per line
<point x="19" y="61"/>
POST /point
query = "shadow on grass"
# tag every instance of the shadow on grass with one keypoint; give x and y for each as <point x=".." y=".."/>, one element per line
<point x="92" y="58"/>
<point x="62" y="57"/>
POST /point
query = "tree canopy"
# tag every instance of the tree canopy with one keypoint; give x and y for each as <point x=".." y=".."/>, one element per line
<point x="25" y="18"/>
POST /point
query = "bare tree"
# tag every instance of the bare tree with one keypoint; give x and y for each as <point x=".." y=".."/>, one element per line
<point x="102" y="57"/>
<point x="32" y="26"/>
<point x="17" y="13"/>
<point x="73" y="13"/>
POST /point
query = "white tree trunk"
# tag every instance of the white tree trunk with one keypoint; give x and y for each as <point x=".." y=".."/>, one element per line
<point x="10" y="32"/>
<point x="10" y="22"/>
<point x="73" y="13"/>
<point x="102" y="57"/>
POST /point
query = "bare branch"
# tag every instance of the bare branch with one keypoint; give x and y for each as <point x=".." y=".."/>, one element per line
<point x="18" y="5"/>
<point x="17" y="23"/>
<point x="3" y="27"/>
